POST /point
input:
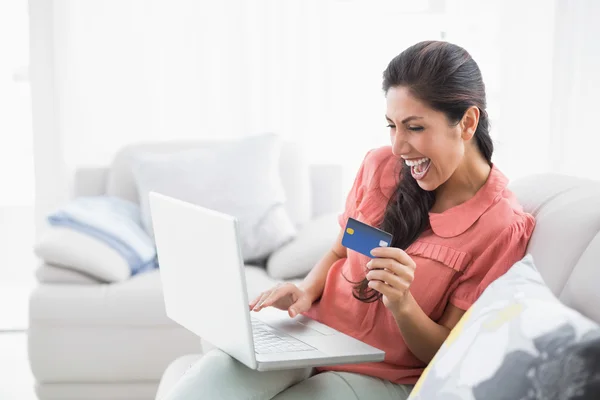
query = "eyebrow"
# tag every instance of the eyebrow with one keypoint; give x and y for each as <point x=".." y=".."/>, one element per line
<point x="405" y="120"/>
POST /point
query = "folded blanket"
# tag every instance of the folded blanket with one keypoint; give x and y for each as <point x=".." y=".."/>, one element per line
<point x="115" y="222"/>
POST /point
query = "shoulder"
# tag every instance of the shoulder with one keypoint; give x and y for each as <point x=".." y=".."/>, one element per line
<point x="375" y="183"/>
<point x="506" y="220"/>
<point x="379" y="154"/>
<point x="482" y="218"/>
<point x="380" y="168"/>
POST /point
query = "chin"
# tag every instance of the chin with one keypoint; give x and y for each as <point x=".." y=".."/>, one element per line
<point x="429" y="183"/>
<point x="429" y="187"/>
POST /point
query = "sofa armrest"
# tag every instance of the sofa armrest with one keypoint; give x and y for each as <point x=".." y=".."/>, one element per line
<point x="53" y="274"/>
<point x="296" y="258"/>
<point x="89" y="181"/>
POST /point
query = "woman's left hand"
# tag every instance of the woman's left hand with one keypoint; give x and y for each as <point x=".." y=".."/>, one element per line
<point x="391" y="274"/>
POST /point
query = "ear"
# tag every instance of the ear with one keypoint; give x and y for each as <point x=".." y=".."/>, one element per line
<point x="469" y="122"/>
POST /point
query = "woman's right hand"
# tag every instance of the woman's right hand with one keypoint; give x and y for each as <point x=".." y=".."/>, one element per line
<point x="284" y="296"/>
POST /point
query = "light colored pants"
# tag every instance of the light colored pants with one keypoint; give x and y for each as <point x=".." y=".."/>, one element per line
<point x="218" y="376"/>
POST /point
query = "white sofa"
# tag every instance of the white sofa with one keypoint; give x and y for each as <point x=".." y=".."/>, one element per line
<point x="114" y="341"/>
<point x="565" y="245"/>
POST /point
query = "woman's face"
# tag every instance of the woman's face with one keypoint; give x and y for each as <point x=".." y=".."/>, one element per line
<point x="424" y="138"/>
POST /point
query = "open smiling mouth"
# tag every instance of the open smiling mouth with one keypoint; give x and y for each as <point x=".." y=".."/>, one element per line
<point x="419" y="167"/>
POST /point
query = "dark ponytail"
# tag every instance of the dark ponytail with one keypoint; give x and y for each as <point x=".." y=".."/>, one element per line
<point x="445" y="77"/>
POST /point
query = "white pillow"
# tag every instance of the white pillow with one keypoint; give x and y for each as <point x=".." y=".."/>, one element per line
<point x="238" y="177"/>
<point x="68" y="248"/>
<point x="297" y="258"/>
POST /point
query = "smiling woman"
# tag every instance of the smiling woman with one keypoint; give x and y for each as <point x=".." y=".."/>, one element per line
<point x="436" y="103"/>
<point x="455" y="225"/>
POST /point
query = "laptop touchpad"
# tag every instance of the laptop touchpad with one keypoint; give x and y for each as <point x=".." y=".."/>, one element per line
<point x="295" y="328"/>
<point x="298" y="326"/>
<point x="303" y="326"/>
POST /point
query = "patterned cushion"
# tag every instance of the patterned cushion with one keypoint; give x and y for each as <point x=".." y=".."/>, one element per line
<point x="516" y="342"/>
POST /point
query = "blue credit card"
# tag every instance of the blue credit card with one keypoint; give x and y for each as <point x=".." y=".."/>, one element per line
<point x="363" y="238"/>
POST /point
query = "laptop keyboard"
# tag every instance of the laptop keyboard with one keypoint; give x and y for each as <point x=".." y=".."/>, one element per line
<point x="268" y="340"/>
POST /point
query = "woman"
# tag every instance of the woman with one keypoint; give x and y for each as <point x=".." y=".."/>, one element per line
<point x="455" y="225"/>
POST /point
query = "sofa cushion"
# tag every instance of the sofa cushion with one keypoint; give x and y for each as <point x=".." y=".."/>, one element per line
<point x="296" y="258"/>
<point x="520" y="338"/>
<point x="294" y="171"/>
<point x="79" y="333"/>
<point x="134" y="302"/>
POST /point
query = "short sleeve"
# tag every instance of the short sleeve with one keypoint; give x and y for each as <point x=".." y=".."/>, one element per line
<point x="355" y="194"/>
<point x="508" y="248"/>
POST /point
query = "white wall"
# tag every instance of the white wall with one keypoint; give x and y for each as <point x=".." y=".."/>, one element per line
<point x="51" y="179"/>
<point x="16" y="159"/>
<point x="526" y="68"/>
<point x="575" y="98"/>
<point x="109" y="72"/>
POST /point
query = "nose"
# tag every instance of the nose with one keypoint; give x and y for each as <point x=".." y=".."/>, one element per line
<point x="399" y="144"/>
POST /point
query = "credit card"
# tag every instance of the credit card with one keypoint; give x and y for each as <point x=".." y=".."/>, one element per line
<point x="363" y="238"/>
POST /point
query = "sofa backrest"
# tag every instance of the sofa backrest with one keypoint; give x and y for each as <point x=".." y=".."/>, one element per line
<point x="566" y="241"/>
<point x="311" y="190"/>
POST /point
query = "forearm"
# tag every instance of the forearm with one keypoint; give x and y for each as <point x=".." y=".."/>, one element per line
<point x="314" y="283"/>
<point x="422" y="335"/>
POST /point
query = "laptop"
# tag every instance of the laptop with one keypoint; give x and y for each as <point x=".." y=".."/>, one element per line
<point x="204" y="288"/>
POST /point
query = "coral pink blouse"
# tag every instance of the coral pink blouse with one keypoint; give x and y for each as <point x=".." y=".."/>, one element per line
<point x="465" y="249"/>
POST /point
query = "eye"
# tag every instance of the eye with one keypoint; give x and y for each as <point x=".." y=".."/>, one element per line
<point x="391" y="126"/>
<point x="415" y="128"/>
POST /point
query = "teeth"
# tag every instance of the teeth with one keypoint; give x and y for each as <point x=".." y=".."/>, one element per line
<point x="413" y="163"/>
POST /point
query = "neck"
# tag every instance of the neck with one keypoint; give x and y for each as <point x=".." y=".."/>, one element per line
<point x="468" y="178"/>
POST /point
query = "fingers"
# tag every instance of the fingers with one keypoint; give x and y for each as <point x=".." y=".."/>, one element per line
<point x="388" y="291"/>
<point x="272" y="296"/>
<point x="295" y="302"/>
<point x="254" y="302"/>
<point x="259" y="300"/>
<point x="300" y="306"/>
<point x="395" y="254"/>
<point x="405" y="272"/>
<point x="389" y="278"/>
<point x="277" y="293"/>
